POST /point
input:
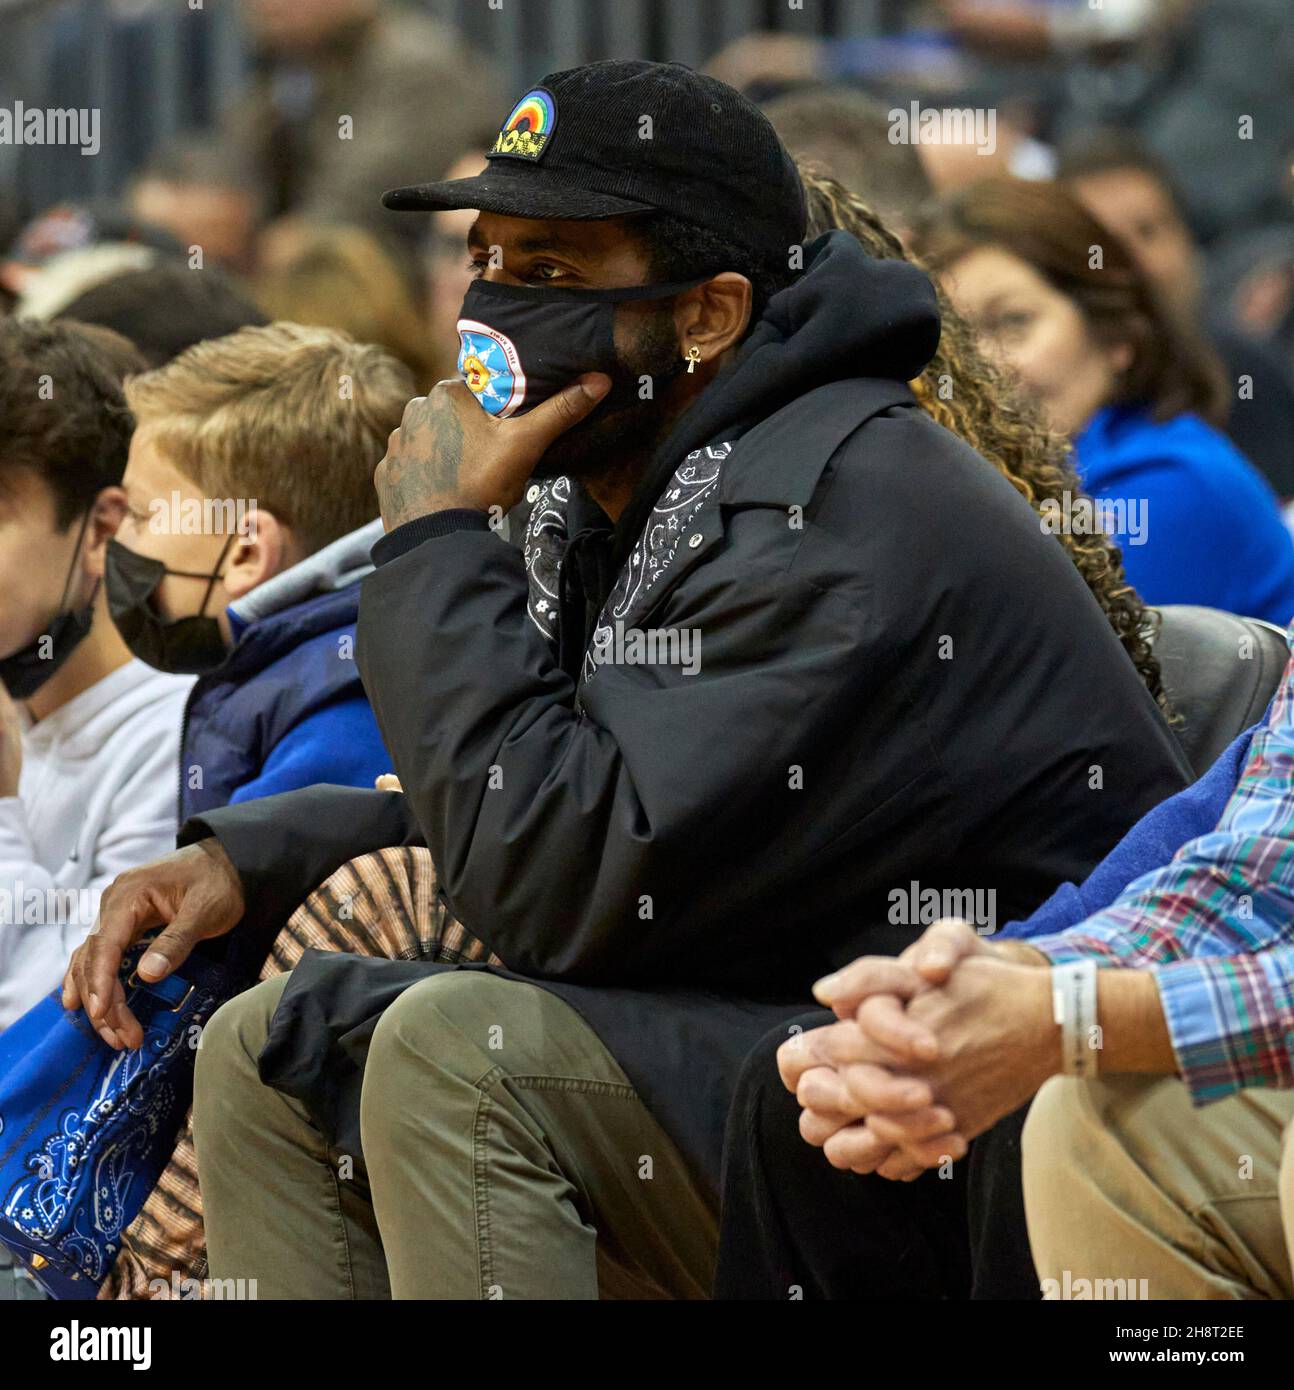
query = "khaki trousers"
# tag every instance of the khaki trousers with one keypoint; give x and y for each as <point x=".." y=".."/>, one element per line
<point x="1124" y="1179"/>
<point x="506" y="1155"/>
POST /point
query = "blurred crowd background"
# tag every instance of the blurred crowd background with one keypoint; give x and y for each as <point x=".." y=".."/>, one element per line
<point x="220" y="130"/>
<point x="252" y="140"/>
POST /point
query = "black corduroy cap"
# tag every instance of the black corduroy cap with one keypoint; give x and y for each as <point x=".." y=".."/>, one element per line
<point x="626" y="138"/>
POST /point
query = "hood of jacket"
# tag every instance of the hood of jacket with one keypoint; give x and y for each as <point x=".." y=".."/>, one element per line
<point x="316" y="596"/>
<point x="337" y="565"/>
<point x="847" y="315"/>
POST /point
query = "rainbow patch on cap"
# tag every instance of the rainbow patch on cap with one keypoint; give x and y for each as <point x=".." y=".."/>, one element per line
<point x="526" y="132"/>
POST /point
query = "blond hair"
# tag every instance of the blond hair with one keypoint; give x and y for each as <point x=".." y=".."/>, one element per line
<point x="294" y="417"/>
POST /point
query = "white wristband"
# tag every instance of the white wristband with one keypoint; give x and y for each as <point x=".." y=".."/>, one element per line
<point x="1073" y="1002"/>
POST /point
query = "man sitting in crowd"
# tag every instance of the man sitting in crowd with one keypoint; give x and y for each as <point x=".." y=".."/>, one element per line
<point x="868" y="665"/>
<point x="1175" y="995"/>
<point x="89" y="739"/>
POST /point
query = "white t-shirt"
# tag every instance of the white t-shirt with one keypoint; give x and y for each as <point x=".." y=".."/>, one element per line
<point x="97" y="795"/>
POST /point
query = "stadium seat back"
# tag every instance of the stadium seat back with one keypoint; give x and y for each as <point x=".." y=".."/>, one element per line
<point x="1220" y="670"/>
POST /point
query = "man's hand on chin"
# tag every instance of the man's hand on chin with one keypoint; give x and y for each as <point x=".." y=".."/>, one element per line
<point x="450" y="453"/>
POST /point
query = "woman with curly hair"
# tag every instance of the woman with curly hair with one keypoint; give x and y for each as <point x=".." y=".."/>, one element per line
<point x="973" y="397"/>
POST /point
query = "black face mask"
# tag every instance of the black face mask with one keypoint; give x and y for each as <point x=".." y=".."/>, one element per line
<point x="521" y="344"/>
<point x="183" y="646"/>
<point x="27" y="670"/>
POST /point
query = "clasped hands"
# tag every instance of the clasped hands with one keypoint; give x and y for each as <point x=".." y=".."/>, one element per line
<point x="929" y="1050"/>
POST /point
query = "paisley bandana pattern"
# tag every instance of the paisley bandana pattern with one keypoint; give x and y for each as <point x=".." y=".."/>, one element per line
<point x="85" y="1131"/>
<point x="542" y="549"/>
<point x="116" y="1132"/>
<point x="695" y="482"/>
<point x="693" y="485"/>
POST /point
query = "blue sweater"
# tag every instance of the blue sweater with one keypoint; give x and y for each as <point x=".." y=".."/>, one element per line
<point x="1150" y="844"/>
<point x="1212" y="531"/>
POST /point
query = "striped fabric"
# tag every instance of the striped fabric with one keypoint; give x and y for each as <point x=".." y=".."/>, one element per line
<point x="1216" y="926"/>
<point x="383" y="904"/>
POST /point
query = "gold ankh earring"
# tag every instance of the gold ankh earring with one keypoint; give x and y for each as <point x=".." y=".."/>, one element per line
<point x="693" y="357"/>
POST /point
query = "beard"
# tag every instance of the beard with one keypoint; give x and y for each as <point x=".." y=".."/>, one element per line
<point x="623" y="426"/>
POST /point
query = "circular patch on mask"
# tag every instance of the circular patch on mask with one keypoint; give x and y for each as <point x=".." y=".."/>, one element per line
<point x="490" y="366"/>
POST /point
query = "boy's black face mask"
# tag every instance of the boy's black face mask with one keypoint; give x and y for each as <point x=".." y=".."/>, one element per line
<point x="521" y="344"/>
<point x="183" y="646"/>
<point x="27" y="670"/>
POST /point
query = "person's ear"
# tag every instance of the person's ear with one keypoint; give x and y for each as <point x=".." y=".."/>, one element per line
<point x="1120" y="357"/>
<point x="262" y="550"/>
<point x="106" y="514"/>
<point x="713" y="317"/>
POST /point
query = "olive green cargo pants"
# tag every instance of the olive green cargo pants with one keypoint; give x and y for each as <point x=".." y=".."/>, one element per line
<point x="506" y="1155"/>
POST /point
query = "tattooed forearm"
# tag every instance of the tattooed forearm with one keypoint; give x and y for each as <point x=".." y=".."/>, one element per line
<point x="421" y="474"/>
<point x="449" y="453"/>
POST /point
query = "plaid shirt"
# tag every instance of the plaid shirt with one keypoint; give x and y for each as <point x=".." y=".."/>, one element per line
<point x="1216" y="926"/>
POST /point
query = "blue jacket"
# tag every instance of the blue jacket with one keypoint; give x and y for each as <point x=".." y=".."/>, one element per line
<point x="287" y="709"/>
<point x="1213" y="532"/>
<point x="1150" y="844"/>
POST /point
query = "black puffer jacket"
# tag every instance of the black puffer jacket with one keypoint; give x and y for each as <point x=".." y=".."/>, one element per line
<point x="902" y="678"/>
